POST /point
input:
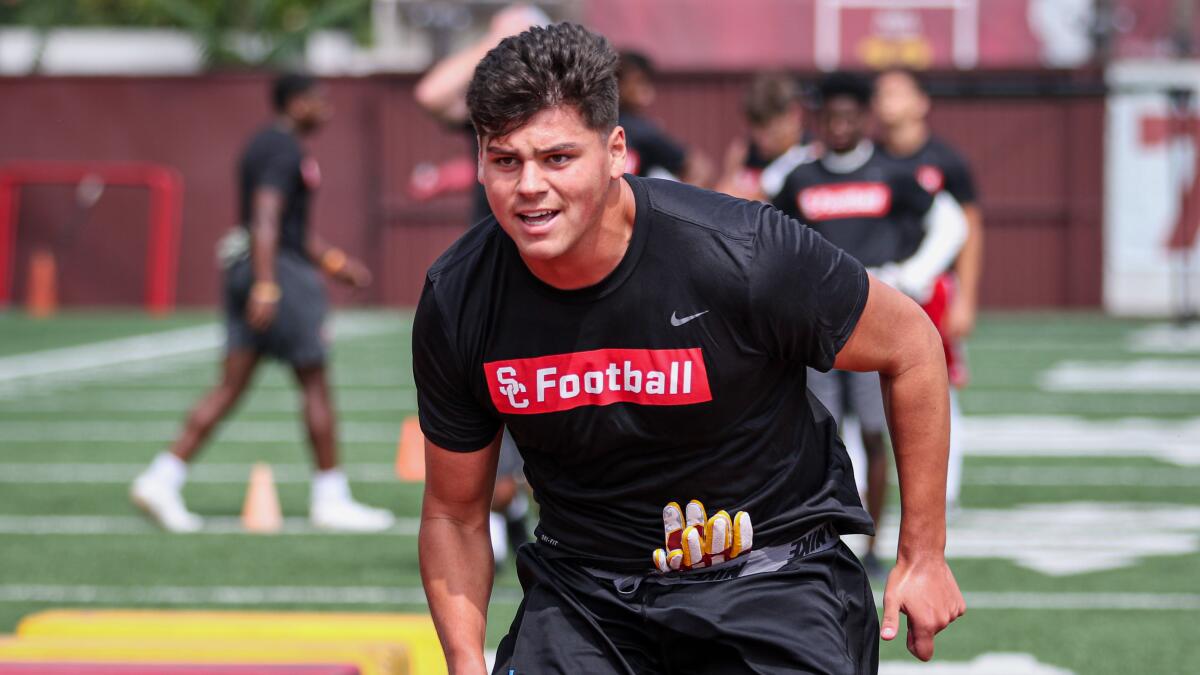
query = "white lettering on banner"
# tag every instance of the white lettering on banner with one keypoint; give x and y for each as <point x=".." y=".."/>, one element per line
<point x="599" y="377"/>
<point x="847" y="200"/>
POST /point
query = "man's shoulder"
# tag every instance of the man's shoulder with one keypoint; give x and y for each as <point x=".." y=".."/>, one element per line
<point x="463" y="256"/>
<point x="270" y="140"/>
<point x="701" y="211"/>
<point x="943" y="153"/>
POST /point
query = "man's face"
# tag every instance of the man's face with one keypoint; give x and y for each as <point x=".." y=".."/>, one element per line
<point x="898" y="100"/>
<point x="637" y="90"/>
<point x="547" y="180"/>
<point x="310" y="110"/>
<point x="779" y="133"/>
<point x="843" y="123"/>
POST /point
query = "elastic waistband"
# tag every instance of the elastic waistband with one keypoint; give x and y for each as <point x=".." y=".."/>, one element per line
<point x="759" y="560"/>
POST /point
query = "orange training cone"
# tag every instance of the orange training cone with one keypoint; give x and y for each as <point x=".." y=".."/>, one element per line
<point x="41" y="291"/>
<point x="410" y="452"/>
<point x="261" y="512"/>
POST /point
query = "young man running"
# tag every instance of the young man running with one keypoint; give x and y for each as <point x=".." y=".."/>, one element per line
<point x="646" y="343"/>
<point x="274" y="306"/>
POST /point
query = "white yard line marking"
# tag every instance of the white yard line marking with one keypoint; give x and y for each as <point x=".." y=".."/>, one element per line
<point x="1143" y="375"/>
<point x="1065" y="436"/>
<point x="104" y="473"/>
<point x="1066" y="538"/>
<point x="122" y="351"/>
<point x="127" y="357"/>
<point x="414" y="595"/>
<point x="1166" y="338"/>
<point x="226" y="595"/>
<point x="359" y="472"/>
<point x="993" y="663"/>
<point x="240" y="431"/>
<point x="135" y="525"/>
<point x="279" y="399"/>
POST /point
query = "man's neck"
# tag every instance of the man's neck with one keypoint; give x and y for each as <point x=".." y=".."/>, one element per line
<point x="850" y="160"/>
<point x="599" y="251"/>
<point x="906" y="139"/>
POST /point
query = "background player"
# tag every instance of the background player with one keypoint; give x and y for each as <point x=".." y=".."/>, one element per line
<point x="443" y="93"/>
<point x="901" y="106"/>
<point x="276" y="306"/>
<point x="645" y="340"/>
<point x="869" y="206"/>
<point x="652" y="152"/>
<point x="756" y="167"/>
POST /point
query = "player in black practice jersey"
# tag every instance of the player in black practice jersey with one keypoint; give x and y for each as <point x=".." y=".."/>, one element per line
<point x="756" y="168"/>
<point x="866" y="204"/>
<point x="647" y="342"/>
<point x="901" y="106"/>
<point x="275" y="306"/>
<point x="652" y="152"/>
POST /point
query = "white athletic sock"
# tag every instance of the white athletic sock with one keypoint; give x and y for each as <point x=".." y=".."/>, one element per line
<point x="499" y="536"/>
<point x="168" y="469"/>
<point x="330" y="486"/>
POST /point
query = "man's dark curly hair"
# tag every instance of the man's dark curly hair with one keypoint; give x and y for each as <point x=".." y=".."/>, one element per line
<point x="544" y="67"/>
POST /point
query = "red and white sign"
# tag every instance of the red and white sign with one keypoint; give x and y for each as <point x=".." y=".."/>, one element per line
<point x="1152" y="189"/>
<point x="847" y="200"/>
<point x="599" y="377"/>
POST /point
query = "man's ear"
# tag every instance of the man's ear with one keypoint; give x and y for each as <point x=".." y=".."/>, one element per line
<point x="617" y="151"/>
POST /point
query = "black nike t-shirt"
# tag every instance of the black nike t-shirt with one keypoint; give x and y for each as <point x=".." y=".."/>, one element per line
<point x="937" y="166"/>
<point x="875" y="213"/>
<point x="649" y="148"/>
<point x="679" y="376"/>
<point x="274" y="158"/>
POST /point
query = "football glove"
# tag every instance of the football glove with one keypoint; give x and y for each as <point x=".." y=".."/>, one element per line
<point x="694" y="541"/>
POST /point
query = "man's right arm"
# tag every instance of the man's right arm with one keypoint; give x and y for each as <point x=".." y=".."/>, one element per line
<point x="443" y="90"/>
<point x="267" y="211"/>
<point x="455" y="549"/>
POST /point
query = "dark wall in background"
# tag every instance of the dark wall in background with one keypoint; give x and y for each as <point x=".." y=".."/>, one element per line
<point x="1038" y="161"/>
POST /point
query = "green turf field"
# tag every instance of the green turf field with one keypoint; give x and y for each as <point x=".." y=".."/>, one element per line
<point x="1077" y="542"/>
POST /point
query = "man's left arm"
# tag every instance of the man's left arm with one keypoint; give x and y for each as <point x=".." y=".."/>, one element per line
<point x="895" y="337"/>
<point x="336" y="263"/>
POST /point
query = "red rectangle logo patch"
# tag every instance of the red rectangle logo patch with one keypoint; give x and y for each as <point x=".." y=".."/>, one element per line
<point x="845" y="200"/>
<point x="545" y="384"/>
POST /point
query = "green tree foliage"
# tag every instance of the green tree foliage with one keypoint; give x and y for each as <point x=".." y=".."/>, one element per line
<point x="231" y="32"/>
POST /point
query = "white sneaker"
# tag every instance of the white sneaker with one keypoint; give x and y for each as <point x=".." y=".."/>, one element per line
<point x="163" y="504"/>
<point x="347" y="515"/>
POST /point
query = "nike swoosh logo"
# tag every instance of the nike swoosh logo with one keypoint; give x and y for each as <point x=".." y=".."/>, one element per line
<point x="676" y="321"/>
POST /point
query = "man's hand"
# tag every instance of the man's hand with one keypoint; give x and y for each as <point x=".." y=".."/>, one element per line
<point x="262" y="305"/>
<point x="346" y="269"/>
<point x="960" y="318"/>
<point x="696" y="541"/>
<point x="354" y="273"/>
<point x="925" y="590"/>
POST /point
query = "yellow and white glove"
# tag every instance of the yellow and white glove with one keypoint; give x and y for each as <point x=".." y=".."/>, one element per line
<point x="694" y="541"/>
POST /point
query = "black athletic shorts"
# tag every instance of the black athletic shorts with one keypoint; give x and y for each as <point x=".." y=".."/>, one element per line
<point x="296" y="336"/>
<point x="801" y="608"/>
